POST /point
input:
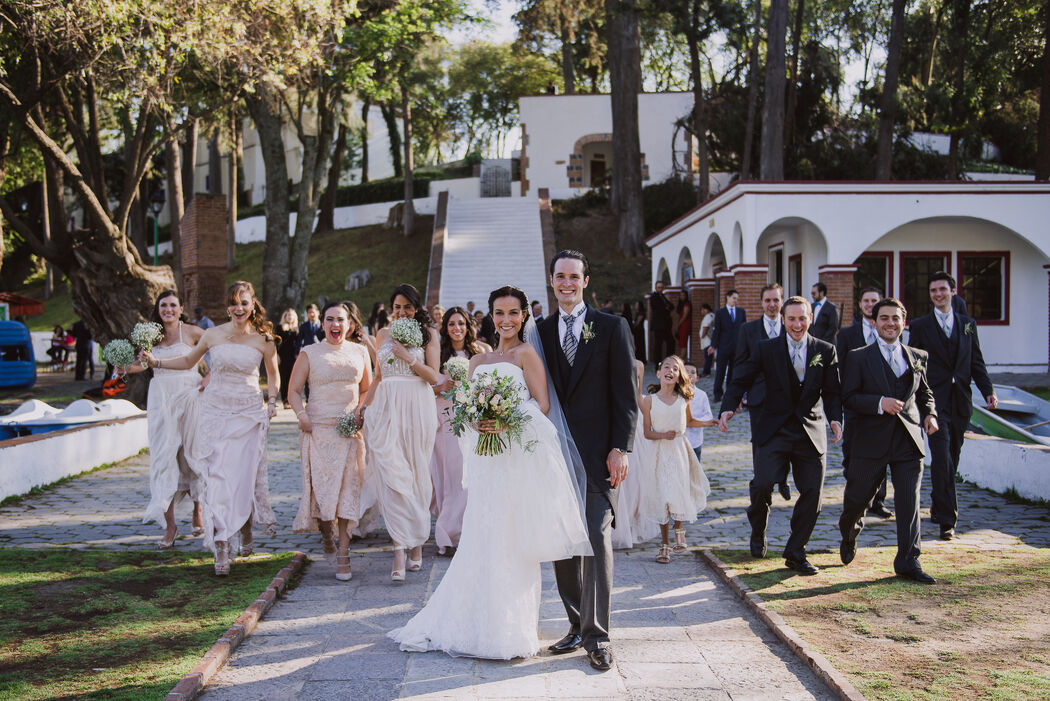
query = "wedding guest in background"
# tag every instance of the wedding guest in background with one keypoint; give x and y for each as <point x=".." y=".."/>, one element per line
<point x="707" y="320"/>
<point x="458" y="339"/>
<point x="400" y="424"/>
<point x="173" y="407"/>
<point x="287" y="349"/>
<point x="333" y="465"/>
<point x="203" y="322"/>
<point x="357" y="333"/>
<point x="234" y="422"/>
<point x="685" y="325"/>
<point x="681" y="487"/>
<point x="825" y="314"/>
<point x="58" y="346"/>
<point x="310" y="331"/>
<point x="700" y="408"/>
<point x="638" y="331"/>
<point x="436" y="312"/>
<point x="724" y="332"/>
<point x="537" y="312"/>
<point x="487" y="330"/>
<point x="377" y="319"/>
<point x="661" y="340"/>
<point x="83" y="348"/>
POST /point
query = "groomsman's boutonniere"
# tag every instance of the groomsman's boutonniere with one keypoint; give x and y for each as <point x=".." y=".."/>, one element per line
<point x="817" y="361"/>
<point x="587" y="335"/>
<point x="969" y="329"/>
<point x="919" y="366"/>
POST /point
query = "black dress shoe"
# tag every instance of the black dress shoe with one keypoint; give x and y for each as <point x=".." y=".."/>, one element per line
<point x="601" y="658"/>
<point x="880" y="510"/>
<point x="803" y="567"/>
<point x="917" y="575"/>
<point x="758" y="544"/>
<point x="785" y="490"/>
<point x="947" y="533"/>
<point x="570" y="642"/>
<point x="848" y="549"/>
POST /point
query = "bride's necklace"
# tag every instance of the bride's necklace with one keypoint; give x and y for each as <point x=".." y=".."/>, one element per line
<point x="500" y="350"/>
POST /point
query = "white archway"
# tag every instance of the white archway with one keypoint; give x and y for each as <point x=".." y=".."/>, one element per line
<point x="663" y="274"/>
<point x="794" y="248"/>
<point x="714" y="257"/>
<point x="684" y="270"/>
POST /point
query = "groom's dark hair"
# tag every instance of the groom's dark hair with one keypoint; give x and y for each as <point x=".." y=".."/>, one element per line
<point x="570" y="253"/>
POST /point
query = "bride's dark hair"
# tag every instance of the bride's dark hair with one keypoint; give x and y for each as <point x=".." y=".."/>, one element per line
<point x="518" y="294"/>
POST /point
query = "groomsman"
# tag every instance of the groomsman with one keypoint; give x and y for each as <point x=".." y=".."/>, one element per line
<point x="884" y="386"/>
<point x="751" y="332"/>
<point x="724" y="332"/>
<point x="858" y="336"/>
<point x="825" y="314"/>
<point x="788" y="432"/>
<point x="955" y="359"/>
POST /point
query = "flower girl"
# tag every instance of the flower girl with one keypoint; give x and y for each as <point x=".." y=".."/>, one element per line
<point x="680" y="486"/>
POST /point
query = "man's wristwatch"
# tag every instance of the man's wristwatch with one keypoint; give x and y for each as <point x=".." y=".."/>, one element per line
<point x="621" y="451"/>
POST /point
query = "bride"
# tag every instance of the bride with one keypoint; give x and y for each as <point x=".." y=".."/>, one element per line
<point x="523" y="508"/>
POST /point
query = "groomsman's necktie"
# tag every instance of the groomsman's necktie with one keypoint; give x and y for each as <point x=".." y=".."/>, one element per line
<point x="869" y="334"/>
<point x="945" y="321"/>
<point x="568" y="344"/>
<point x="771" y="327"/>
<point x="732" y="314"/>
<point x="895" y="358"/>
<point x="798" y="360"/>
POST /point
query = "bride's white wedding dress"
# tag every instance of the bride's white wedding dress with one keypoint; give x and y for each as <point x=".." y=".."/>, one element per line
<point x="521" y="511"/>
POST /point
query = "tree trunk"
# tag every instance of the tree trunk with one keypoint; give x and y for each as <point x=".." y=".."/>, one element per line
<point x="960" y="39"/>
<point x="1042" y="158"/>
<point x="326" y="217"/>
<point x="888" y="108"/>
<point x="364" y="140"/>
<point x="703" y="190"/>
<point x="625" y="75"/>
<point x="139" y="221"/>
<point x="231" y="226"/>
<point x="772" y="164"/>
<point x="45" y="220"/>
<point x="264" y="107"/>
<point x="176" y="203"/>
<point x="189" y="162"/>
<point x="792" y="86"/>
<point x="408" y="214"/>
<point x="752" y="94"/>
<point x="394" y="136"/>
<point x="214" y="165"/>
<point x="567" y="74"/>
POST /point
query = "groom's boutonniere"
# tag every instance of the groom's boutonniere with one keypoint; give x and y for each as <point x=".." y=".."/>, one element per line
<point x="969" y="329"/>
<point x="817" y="361"/>
<point x="918" y="366"/>
<point x="587" y="335"/>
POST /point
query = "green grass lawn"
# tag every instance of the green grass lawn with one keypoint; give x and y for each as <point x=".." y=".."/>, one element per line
<point x="114" y="625"/>
<point x="980" y="632"/>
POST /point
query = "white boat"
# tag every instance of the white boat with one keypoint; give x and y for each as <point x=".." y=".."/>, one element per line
<point x="82" y="411"/>
<point x="1020" y="416"/>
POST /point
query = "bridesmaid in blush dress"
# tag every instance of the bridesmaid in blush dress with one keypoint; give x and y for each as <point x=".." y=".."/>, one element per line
<point x="459" y="340"/>
<point x="234" y="422"/>
<point x="339" y="372"/>
<point x="399" y="426"/>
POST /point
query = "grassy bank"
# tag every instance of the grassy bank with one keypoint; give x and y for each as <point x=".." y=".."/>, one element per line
<point x="114" y="625"/>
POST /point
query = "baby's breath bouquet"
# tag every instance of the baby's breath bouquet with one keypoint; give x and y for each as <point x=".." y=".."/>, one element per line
<point x="457" y="368"/>
<point x="490" y="397"/>
<point x="145" y="335"/>
<point x="118" y="353"/>
<point x="347" y="425"/>
<point x="407" y="332"/>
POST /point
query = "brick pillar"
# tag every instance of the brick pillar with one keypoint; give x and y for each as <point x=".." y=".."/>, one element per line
<point x="725" y="280"/>
<point x="749" y="281"/>
<point x="701" y="291"/>
<point x="203" y="230"/>
<point x="839" y="279"/>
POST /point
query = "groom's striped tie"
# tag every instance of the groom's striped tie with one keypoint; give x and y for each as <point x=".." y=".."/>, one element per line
<point x="569" y="343"/>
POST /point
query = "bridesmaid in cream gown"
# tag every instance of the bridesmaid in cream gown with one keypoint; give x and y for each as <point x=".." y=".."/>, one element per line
<point x="399" y="427"/>
<point x="234" y="422"/>
<point x="339" y="372"/>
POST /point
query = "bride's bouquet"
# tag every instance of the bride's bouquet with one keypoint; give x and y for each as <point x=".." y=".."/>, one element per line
<point x="490" y="397"/>
<point x="145" y="335"/>
<point x="407" y="332"/>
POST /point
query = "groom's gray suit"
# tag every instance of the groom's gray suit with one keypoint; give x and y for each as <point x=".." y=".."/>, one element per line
<point x="597" y="393"/>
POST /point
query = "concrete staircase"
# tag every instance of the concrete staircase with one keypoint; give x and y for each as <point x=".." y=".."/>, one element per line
<point x="491" y="242"/>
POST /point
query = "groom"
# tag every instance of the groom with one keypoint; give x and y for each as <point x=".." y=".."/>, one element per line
<point x="591" y="360"/>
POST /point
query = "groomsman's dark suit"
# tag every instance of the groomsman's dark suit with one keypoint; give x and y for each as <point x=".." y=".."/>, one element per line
<point x="848" y="339"/>
<point x="954" y="362"/>
<point x="825" y="322"/>
<point x="597" y="393"/>
<point x="881" y="439"/>
<point x="789" y="432"/>
<point x="724" y="332"/>
<point x="310" y="332"/>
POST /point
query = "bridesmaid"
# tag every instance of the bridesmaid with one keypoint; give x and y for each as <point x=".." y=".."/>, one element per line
<point x="458" y="339"/>
<point x="234" y="422"/>
<point x="339" y="373"/>
<point x="172" y="407"/>
<point x="287" y="349"/>
<point x="400" y="429"/>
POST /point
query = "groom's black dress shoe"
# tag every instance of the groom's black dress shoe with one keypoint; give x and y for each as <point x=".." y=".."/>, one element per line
<point x="785" y="490"/>
<point x="758" y="544"/>
<point x="848" y="549"/>
<point x="802" y="566"/>
<point x="917" y="575"/>
<point x="601" y="658"/>
<point x="570" y="642"/>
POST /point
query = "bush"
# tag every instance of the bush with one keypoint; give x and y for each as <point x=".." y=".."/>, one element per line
<point x="664" y="202"/>
<point x="387" y="190"/>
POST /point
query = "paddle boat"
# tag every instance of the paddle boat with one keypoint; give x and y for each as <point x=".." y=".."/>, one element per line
<point x="35" y="417"/>
<point x="1020" y="416"/>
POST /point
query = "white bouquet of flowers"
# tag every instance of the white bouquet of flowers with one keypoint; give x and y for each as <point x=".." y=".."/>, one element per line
<point x="118" y="353"/>
<point x="145" y="335"/>
<point x="347" y="425"/>
<point x="407" y="332"/>
<point x="457" y="368"/>
<point x="490" y="397"/>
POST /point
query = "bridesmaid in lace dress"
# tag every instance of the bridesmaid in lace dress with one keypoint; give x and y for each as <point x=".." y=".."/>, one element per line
<point x="234" y="422"/>
<point x="458" y="339"/>
<point x="399" y="431"/>
<point x="339" y="372"/>
<point x="172" y="407"/>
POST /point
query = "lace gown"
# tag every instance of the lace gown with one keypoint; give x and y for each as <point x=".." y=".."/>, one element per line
<point x="333" y="466"/>
<point x="680" y="485"/>
<point x="232" y="433"/>
<point x="172" y="407"/>
<point x="446" y="472"/>
<point x="400" y="425"/>
<point x="521" y="511"/>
